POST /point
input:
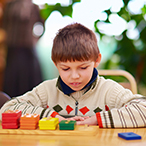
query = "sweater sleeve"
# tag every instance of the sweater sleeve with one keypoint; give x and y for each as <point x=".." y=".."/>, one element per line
<point x="131" y="115"/>
<point x="34" y="101"/>
<point x="117" y="95"/>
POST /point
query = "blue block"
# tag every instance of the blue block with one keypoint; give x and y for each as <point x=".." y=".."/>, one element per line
<point x="129" y="136"/>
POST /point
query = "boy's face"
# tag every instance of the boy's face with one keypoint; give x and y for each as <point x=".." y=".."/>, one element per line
<point x="76" y="74"/>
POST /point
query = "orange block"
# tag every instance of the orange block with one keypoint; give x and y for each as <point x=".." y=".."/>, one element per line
<point x="29" y="121"/>
<point x="29" y="127"/>
<point x="30" y="118"/>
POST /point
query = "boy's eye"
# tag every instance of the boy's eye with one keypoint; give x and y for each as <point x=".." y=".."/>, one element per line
<point x="83" y="67"/>
<point x="65" y="69"/>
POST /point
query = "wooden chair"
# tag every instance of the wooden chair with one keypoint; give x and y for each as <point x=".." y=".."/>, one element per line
<point x="3" y="98"/>
<point x="131" y="84"/>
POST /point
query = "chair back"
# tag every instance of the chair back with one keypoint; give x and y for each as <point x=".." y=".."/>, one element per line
<point x="3" y="98"/>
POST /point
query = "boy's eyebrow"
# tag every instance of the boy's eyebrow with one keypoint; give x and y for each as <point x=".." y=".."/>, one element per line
<point x="63" y="65"/>
<point x="86" y="63"/>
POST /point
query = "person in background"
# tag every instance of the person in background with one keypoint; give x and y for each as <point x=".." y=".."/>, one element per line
<point x="3" y="50"/>
<point x="23" y="71"/>
<point x="79" y="93"/>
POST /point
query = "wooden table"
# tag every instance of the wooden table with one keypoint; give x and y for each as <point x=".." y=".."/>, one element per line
<point x="100" y="137"/>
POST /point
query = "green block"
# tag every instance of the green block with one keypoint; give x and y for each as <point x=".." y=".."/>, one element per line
<point x="67" y="125"/>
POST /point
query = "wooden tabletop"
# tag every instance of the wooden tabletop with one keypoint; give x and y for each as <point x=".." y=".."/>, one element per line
<point x="99" y="137"/>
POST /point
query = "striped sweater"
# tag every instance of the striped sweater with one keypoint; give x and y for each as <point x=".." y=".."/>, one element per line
<point x="114" y="106"/>
<point x="131" y="115"/>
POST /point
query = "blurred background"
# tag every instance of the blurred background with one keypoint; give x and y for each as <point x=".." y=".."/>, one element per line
<point x="27" y="29"/>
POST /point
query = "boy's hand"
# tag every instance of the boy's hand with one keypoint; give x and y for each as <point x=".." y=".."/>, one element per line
<point x="89" y="121"/>
<point x="78" y="118"/>
<point x="60" y="117"/>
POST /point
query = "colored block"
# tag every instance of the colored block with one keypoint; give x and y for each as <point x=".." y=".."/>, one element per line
<point x="29" y="127"/>
<point x="67" y="125"/>
<point x="129" y="136"/>
<point x="11" y="114"/>
<point x="33" y="118"/>
<point x="29" y="121"/>
<point x="10" y="125"/>
<point x="11" y="119"/>
<point x="48" y="123"/>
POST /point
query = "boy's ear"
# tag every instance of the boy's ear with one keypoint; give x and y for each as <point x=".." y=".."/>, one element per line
<point x="97" y="62"/>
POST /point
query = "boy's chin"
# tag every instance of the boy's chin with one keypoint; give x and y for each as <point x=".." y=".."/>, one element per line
<point x="76" y="89"/>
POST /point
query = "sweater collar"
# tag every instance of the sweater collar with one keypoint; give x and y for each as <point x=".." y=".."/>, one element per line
<point x="67" y="90"/>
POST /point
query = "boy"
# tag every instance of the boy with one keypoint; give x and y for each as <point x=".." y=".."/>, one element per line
<point x="79" y="93"/>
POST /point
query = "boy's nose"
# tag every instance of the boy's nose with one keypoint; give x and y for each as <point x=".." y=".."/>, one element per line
<point x="75" y="74"/>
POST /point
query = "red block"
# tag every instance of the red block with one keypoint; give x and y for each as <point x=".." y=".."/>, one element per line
<point x="11" y="119"/>
<point x="10" y="125"/>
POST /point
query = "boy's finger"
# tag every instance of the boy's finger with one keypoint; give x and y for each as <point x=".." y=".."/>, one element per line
<point x="79" y="118"/>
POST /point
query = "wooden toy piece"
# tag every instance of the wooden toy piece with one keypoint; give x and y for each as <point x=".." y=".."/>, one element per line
<point x="11" y="119"/>
<point x="30" y="118"/>
<point x="48" y="123"/>
<point x="67" y="125"/>
<point x="29" y="121"/>
<point x="11" y="113"/>
<point x="129" y="136"/>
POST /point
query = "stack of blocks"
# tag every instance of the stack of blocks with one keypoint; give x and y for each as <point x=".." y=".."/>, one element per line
<point x="67" y="125"/>
<point x="29" y="121"/>
<point x="11" y="119"/>
<point x="15" y="119"/>
<point x="48" y="123"/>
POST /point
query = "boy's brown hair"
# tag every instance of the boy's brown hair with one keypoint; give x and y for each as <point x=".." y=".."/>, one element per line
<point x="75" y="42"/>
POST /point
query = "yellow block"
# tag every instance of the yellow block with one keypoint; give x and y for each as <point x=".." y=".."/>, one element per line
<point x="48" y="123"/>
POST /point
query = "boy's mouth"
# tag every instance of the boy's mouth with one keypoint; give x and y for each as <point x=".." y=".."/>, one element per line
<point x="75" y="83"/>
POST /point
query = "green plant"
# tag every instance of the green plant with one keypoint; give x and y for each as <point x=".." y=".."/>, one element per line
<point x="131" y="52"/>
